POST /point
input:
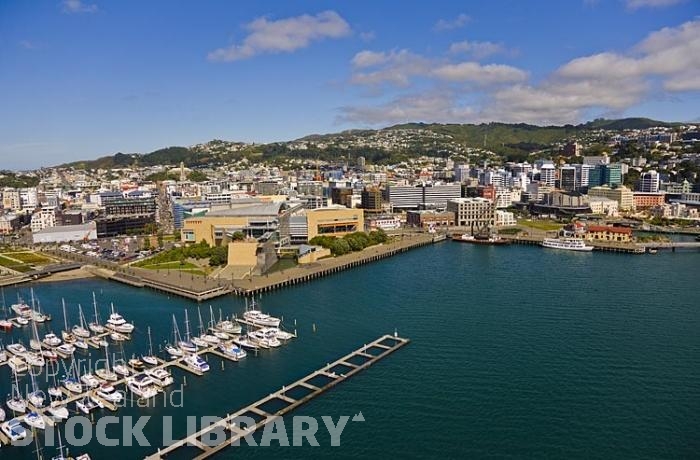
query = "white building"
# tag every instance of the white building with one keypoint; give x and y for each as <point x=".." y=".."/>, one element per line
<point x="83" y="232"/>
<point x="43" y="219"/>
<point x="548" y="174"/>
<point x="472" y="212"/>
<point x="604" y="206"/>
<point x="503" y="198"/>
<point x="504" y="218"/>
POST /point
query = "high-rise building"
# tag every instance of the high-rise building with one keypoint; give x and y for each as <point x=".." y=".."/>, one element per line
<point x="371" y="199"/>
<point x="567" y="178"/>
<point x="461" y="172"/>
<point x="582" y="175"/>
<point x="649" y="181"/>
<point x="548" y="174"/>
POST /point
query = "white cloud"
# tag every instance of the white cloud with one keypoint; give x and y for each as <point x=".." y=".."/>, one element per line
<point x="77" y="6"/>
<point x="367" y="36"/>
<point x="482" y="74"/>
<point x="448" y="24"/>
<point x="666" y="61"/>
<point x="478" y="50"/>
<point x="636" y="4"/>
<point x="283" y="35"/>
<point x="394" y="67"/>
<point x="438" y="107"/>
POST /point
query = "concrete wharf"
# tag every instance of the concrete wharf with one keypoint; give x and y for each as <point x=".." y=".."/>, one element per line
<point x="331" y="375"/>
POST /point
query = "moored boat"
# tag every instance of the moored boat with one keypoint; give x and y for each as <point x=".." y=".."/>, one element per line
<point x="568" y="244"/>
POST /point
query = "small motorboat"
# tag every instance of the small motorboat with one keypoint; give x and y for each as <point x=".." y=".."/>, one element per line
<point x="35" y="420"/>
<point x="86" y="405"/>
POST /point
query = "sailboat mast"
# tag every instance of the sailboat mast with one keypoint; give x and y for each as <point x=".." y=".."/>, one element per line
<point x="65" y="318"/>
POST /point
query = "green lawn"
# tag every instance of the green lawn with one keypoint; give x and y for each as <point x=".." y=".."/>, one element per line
<point x="29" y="257"/>
<point x="174" y="265"/>
<point x="544" y="225"/>
<point x="11" y="264"/>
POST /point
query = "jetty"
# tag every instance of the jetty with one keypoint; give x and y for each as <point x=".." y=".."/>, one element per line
<point x="303" y="390"/>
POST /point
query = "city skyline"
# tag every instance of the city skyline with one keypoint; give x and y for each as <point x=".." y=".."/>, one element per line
<point x="84" y="79"/>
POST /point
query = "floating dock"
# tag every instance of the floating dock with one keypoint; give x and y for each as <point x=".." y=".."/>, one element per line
<point x="311" y="386"/>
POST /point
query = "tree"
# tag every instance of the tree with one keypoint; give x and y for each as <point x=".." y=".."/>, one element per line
<point x="160" y="239"/>
<point x="238" y="236"/>
<point x="147" y="243"/>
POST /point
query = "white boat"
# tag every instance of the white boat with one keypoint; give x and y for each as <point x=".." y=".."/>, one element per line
<point x="89" y="380"/>
<point x="221" y="335"/>
<point x="199" y="342"/>
<point x="86" y="405"/>
<point x="160" y="377"/>
<point x="569" y="244"/>
<point x="109" y="393"/>
<point x="142" y="386"/>
<point x="150" y="358"/>
<point x="14" y="430"/>
<point x="106" y="374"/>
<point x="264" y="339"/>
<point x="95" y="325"/>
<point x="118" y="337"/>
<point x="66" y="334"/>
<point x="195" y="362"/>
<point x="20" y="321"/>
<point x="187" y="345"/>
<point x="173" y="351"/>
<point x="21" y="309"/>
<point x="37" y="396"/>
<point x="259" y="318"/>
<point x="73" y="385"/>
<point x="3" y="355"/>
<point x="34" y="359"/>
<point x="244" y="342"/>
<point x="80" y="330"/>
<point x="81" y="344"/>
<point x="58" y="410"/>
<point x="18" y="365"/>
<point x="280" y="334"/>
<point x="49" y="354"/>
<point x="204" y="340"/>
<point x="16" y="348"/>
<point x="2" y="414"/>
<point x="55" y="392"/>
<point x="117" y="323"/>
<point x="226" y="326"/>
<point x="232" y="351"/>
<point x="35" y="420"/>
<point x="15" y="401"/>
<point x="122" y="369"/>
<point x="66" y="349"/>
<point x="51" y="340"/>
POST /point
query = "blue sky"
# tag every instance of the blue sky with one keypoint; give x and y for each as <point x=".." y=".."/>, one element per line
<point x="86" y="78"/>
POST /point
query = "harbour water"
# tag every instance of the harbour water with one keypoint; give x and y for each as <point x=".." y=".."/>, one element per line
<point x="516" y="351"/>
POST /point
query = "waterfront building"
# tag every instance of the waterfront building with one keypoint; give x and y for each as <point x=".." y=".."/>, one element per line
<point x="384" y="223"/>
<point x="504" y="218"/>
<point x="604" y="206"/>
<point x="475" y="213"/>
<point x="66" y="233"/>
<point x="610" y="234"/>
<point x="334" y="221"/>
<point x="430" y="218"/>
<point x="412" y="197"/>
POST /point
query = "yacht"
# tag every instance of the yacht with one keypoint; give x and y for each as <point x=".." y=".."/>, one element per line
<point x="3" y="355"/>
<point x="35" y="420"/>
<point x="82" y="344"/>
<point x="118" y="337"/>
<point x="18" y="365"/>
<point x="195" y="362"/>
<point x="49" y="354"/>
<point x="51" y="340"/>
<point x="122" y="369"/>
<point x="187" y="345"/>
<point x="174" y="351"/>
<point x="37" y="397"/>
<point x="117" y="323"/>
<point x="228" y="327"/>
<point x="34" y="359"/>
<point x="21" y="309"/>
<point x="199" y="342"/>
<point x="15" y="401"/>
<point x="160" y="377"/>
<point x="89" y="380"/>
<point x="80" y="330"/>
<point x="20" y="321"/>
<point x="95" y="325"/>
<point x="259" y="318"/>
<point x="150" y="359"/>
<point x="58" y="410"/>
<point x="86" y="405"/>
<point x="142" y="386"/>
<point x="136" y="364"/>
<point x="109" y="393"/>
<point x="5" y="325"/>
<point x="221" y="335"/>
<point x="73" y="385"/>
<point x="14" y="430"/>
<point x="106" y="373"/>
<point x="16" y="348"/>
<point x="232" y="351"/>
<point x="244" y="342"/>
<point x="66" y="349"/>
<point x="2" y="414"/>
<point x="280" y="334"/>
<point x="264" y="338"/>
<point x="569" y="244"/>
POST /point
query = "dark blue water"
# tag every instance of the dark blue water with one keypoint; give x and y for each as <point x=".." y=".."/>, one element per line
<point x="516" y="352"/>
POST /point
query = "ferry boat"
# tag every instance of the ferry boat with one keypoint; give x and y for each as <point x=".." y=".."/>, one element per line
<point x="479" y="239"/>
<point x="569" y="244"/>
<point x="196" y="362"/>
<point x="160" y="377"/>
<point x="14" y="430"/>
<point x="142" y="386"/>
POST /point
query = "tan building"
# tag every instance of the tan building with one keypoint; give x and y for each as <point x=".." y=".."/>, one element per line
<point x="334" y="221"/>
<point x="621" y="194"/>
<point x="476" y="213"/>
<point x="429" y="218"/>
<point x="603" y="233"/>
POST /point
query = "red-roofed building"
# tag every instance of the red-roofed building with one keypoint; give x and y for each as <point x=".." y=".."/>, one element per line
<point x="605" y="233"/>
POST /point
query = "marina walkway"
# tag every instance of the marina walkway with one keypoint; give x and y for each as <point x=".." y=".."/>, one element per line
<point x="310" y="386"/>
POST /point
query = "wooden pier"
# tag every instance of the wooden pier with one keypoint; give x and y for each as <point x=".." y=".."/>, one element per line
<point x="334" y="373"/>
